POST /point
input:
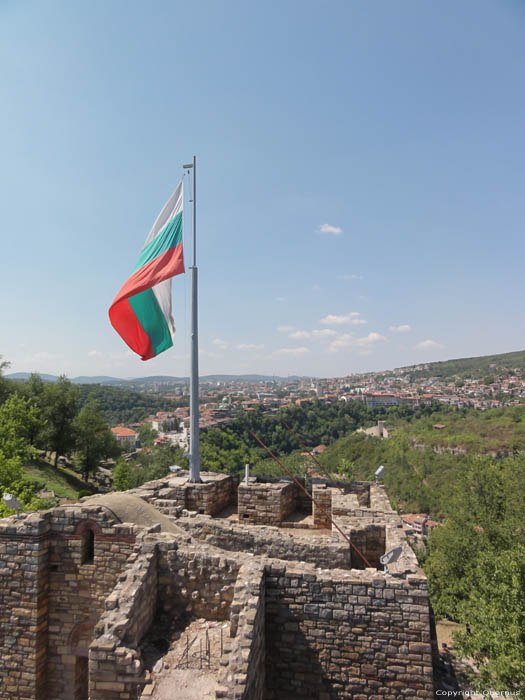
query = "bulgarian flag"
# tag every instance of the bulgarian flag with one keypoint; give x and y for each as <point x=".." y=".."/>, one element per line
<point x="141" y="311"/>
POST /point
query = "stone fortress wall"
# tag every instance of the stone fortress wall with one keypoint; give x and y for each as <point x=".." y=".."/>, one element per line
<point x="79" y="590"/>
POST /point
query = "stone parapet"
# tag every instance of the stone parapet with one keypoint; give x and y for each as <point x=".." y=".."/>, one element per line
<point x="266" y="503"/>
<point x="336" y="635"/>
<point x="322" y="506"/>
<point x="213" y="494"/>
<point x="242" y="672"/>
<point x="269" y="541"/>
<point x="195" y="579"/>
<point x="115" y="664"/>
<point x="24" y="552"/>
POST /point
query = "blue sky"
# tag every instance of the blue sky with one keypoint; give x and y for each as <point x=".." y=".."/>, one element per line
<point x="361" y="168"/>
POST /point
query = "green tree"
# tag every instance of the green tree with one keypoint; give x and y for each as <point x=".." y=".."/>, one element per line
<point x="147" y="435"/>
<point x="122" y="476"/>
<point x="476" y="568"/>
<point x="93" y="438"/>
<point x="60" y="407"/>
<point x="18" y="421"/>
<point x="34" y="389"/>
<point x="4" y="383"/>
<point x="495" y="616"/>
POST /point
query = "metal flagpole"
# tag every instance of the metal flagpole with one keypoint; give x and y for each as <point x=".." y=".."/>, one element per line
<point x="194" y="366"/>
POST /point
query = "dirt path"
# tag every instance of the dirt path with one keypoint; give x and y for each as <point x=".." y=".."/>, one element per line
<point x="188" y="669"/>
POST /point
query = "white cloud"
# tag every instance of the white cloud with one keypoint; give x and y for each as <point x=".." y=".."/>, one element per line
<point x="371" y="338"/>
<point x="348" y="340"/>
<point x="222" y="344"/>
<point x="351" y="319"/>
<point x="328" y="228"/>
<point x="400" y="329"/>
<point x="349" y="277"/>
<point x="95" y="353"/>
<point x="249" y="346"/>
<point x="299" y="335"/>
<point x="291" y="351"/>
<point x="324" y="333"/>
<point x="428" y="345"/>
<point x="285" y="329"/>
<point x="280" y="299"/>
<point x="316" y="288"/>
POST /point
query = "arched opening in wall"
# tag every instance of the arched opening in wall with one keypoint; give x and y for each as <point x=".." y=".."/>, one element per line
<point x="81" y="680"/>
<point x="78" y="643"/>
<point x="87" y="555"/>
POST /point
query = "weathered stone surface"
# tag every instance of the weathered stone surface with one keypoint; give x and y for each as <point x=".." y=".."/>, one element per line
<point x="76" y="605"/>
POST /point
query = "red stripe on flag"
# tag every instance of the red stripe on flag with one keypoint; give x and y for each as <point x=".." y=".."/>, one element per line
<point x="169" y="264"/>
<point x="127" y="325"/>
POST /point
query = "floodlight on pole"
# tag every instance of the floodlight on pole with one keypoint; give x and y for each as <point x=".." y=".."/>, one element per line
<point x="12" y="502"/>
<point x="379" y="472"/>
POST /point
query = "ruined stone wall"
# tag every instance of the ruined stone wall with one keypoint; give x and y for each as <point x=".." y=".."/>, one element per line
<point x="375" y="534"/>
<point x="173" y="494"/>
<point x="78" y="587"/>
<point x="371" y="542"/>
<point x="115" y="664"/>
<point x="269" y="541"/>
<point x="56" y="569"/>
<point x="243" y="668"/>
<point x="322" y="507"/>
<point x="195" y="579"/>
<point x="266" y="504"/>
<point x="23" y="607"/>
<point x="344" y="504"/>
<point x="211" y="498"/>
<point x="346" y="636"/>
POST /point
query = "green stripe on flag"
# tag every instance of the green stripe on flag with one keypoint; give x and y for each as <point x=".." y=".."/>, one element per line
<point x="168" y="237"/>
<point x="150" y="316"/>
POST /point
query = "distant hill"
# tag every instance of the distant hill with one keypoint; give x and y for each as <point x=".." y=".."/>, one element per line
<point x="22" y="376"/>
<point x="160" y="379"/>
<point x="471" y="366"/>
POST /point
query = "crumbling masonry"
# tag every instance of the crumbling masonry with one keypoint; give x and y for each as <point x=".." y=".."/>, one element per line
<point x="81" y="586"/>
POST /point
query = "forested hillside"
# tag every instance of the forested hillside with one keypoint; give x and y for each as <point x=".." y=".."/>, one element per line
<point x="473" y="366"/>
<point x="289" y="430"/>
<point x="121" y="405"/>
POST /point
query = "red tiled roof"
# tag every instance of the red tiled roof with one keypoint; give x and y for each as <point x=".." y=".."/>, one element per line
<point x="121" y="431"/>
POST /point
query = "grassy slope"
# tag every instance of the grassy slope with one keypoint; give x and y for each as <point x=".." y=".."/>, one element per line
<point x="64" y="482"/>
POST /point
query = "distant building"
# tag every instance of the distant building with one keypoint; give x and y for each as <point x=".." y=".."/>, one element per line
<point x="374" y="399"/>
<point x="125" y="436"/>
<point x="419" y="523"/>
<point x="378" y="430"/>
